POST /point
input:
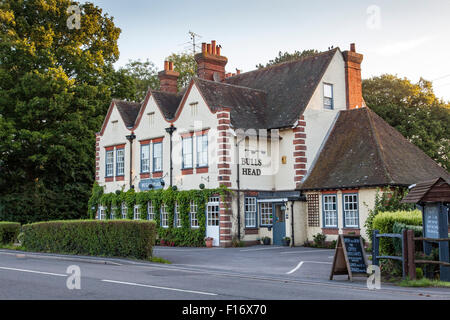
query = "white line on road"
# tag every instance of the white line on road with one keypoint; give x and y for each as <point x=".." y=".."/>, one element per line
<point x="270" y="248"/>
<point x="32" y="271"/>
<point x="301" y="252"/>
<point x="296" y="268"/>
<point x="162" y="288"/>
<point x="319" y="262"/>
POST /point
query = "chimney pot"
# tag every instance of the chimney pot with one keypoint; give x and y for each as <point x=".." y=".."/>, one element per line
<point x="166" y="65"/>
<point x="218" y="50"/>
<point x="170" y="65"/>
<point x="238" y="71"/>
<point x="213" y="46"/>
<point x="203" y="47"/>
<point x="208" y="47"/>
<point x="352" y="47"/>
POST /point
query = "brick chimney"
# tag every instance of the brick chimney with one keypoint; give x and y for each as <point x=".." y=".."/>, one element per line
<point x="353" y="83"/>
<point x="168" y="78"/>
<point x="210" y="62"/>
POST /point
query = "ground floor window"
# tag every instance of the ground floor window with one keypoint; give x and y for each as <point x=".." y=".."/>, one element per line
<point x="351" y="216"/>
<point x="193" y="214"/>
<point x="102" y="213"/>
<point x="177" y="219"/>
<point x="150" y="211"/>
<point x="124" y="210"/>
<point x="330" y="211"/>
<point x="164" y="216"/>
<point x="111" y="215"/>
<point x="250" y="212"/>
<point x="266" y="214"/>
<point x="136" y="213"/>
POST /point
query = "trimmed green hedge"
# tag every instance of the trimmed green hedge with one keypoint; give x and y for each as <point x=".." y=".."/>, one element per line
<point x="121" y="238"/>
<point x="9" y="232"/>
<point x="385" y="221"/>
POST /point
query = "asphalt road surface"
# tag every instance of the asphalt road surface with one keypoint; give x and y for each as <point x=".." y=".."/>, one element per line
<point x="259" y="272"/>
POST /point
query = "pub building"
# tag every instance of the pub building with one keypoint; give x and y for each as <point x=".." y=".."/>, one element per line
<point x="295" y="143"/>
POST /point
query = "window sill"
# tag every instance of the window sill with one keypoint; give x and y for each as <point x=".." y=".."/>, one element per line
<point x="109" y="179"/>
<point x="330" y="230"/>
<point x="120" y="178"/>
<point x="202" y="170"/>
<point x="187" y="171"/>
<point x="157" y="174"/>
<point x="145" y="175"/>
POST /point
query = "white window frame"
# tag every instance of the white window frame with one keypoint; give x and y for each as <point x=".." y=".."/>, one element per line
<point x="326" y="98"/>
<point x="266" y="213"/>
<point x="145" y="158"/>
<point x="112" y="215"/>
<point x="187" y="146"/>
<point x="120" y="162"/>
<point x="177" y="220"/>
<point x="164" y="216"/>
<point x="124" y="210"/>
<point x="136" y="213"/>
<point x="330" y="210"/>
<point x="213" y="207"/>
<point x="109" y="163"/>
<point x="250" y="209"/>
<point x="102" y="213"/>
<point x="157" y="160"/>
<point x="351" y="210"/>
<point x="150" y="211"/>
<point x="202" y="151"/>
<point x="193" y="214"/>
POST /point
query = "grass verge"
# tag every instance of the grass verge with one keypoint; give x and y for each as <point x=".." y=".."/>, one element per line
<point x="159" y="260"/>
<point x="424" y="282"/>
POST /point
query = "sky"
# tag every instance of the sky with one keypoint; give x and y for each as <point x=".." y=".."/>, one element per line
<point x="409" y="38"/>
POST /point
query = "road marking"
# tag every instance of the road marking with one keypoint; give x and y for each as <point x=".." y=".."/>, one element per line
<point x="162" y="288"/>
<point x="188" y="251"/>
<point x="32" y="271"/>
<point x="319" y="262"/>
<point x="301" y="252"/>
<point x="270" y="248"/>
<point x="296" y="268"/>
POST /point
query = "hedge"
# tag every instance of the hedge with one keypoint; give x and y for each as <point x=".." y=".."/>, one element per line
<point x="122" y="238"/>
<point x="384" y="222"/>
<point x="9" y="232"/>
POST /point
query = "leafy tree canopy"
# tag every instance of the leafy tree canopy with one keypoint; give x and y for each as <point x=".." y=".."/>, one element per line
<point x="185" y="64"/>
<point x="286" y="56"/>
<point x="144" y="76"/>
<point x="414" y="110"/>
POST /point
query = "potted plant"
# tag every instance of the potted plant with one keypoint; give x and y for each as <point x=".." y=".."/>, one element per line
<point x="266" y="240"/>
<point x="286" y="241"/>
<point x="209" y="242"/>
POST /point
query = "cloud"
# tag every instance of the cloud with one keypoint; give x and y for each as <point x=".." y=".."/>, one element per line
<point x="402" y="46"/>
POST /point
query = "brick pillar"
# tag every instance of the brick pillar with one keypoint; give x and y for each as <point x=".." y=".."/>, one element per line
<point x="97" y="157"/>
<point x="299" y="155"/>
<point x="225" y="222"/>
<point x="224" y="147"/>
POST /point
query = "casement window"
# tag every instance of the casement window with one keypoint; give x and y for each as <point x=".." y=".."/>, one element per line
<point x="136" y="213"/>
<point x="145" y="158"/>
<point x="111" y="215"/>
<point x="351" y="213"/>
<point x="328" y="96"/>
<point x="124" y="210"/>
<point x="150" y="211"/>
<point x="164" y="216"/>
<point x="120" y="162"/>
<point x="202" y="150"/>
<point x="212" y="211"/>
<point x="193" y="214"/>
<point x="330" y="216"/>
<point x="187" y="153"/>
<point x="157" y="157"/>
<point x="250" y="212"/>
<point x="109" y="172"/>
<point x="102" y="215"/>
<point x="266" y="214"/>
<point x="177" y="220"/>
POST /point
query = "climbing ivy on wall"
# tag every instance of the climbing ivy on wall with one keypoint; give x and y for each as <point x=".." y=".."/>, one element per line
<point x="178" y="236"/>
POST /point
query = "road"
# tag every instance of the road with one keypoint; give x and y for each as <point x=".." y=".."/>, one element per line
<point x="196" y="274"/>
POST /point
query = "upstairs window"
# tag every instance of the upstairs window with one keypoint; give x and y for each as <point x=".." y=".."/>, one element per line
<point x="157" y="157"/>
<point x="202" y="150"/>
<point x="145" y="158"/>
<point x="120" y="162"/>
<point x="187" y="153"/>
<point x="328" y="96"/>
<point x="109" y="163"/>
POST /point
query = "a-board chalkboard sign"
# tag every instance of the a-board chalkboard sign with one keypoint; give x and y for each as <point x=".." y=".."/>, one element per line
<point x="350" y="257"/>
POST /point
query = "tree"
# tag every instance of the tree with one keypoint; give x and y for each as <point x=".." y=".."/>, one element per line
<point x="414" y="110"/>
<point x="286" y="56"/>
<point x="185" y="64"/>
<point x="144" y="76"/>
<point x="54" y="95"/>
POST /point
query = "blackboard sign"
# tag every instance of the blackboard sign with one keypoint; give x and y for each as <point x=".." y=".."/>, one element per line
<point x="431" y="221"/>
<point x="350" y="257"/>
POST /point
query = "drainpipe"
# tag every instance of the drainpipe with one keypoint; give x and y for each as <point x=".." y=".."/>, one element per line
<point x="292" y="223"/>
<point x="238" y="182"/>
<point x="130" y="138"/>
<point x="170" y="130"/>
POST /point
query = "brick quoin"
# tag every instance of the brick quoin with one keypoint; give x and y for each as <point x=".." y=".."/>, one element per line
<point x="299" y="153"/>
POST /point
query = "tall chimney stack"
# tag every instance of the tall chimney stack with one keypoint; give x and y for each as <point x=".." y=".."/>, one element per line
<point x="210" y="62"/>
<point x="168" y="78"/>
<point x="353" y="82"/>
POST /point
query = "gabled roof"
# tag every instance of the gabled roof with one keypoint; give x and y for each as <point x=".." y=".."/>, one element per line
<point x="439" y="187"/>
<point x="168" y="102"/>
<point x="247" y="105"/>
<point x="362" y="150"/>
<point x="289" y="86"/>
<point x="128" y="111"/>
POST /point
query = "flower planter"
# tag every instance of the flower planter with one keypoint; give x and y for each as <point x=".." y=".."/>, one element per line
<point x="266" y="241"/>
<point x="286" y="242"/>
<point x="209" y="243"/>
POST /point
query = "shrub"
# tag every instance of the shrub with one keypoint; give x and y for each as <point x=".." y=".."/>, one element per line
<point x="384" y="222"/>
<point x="115" y="238"/>
<point x="419" y="273"/>
<point x="319" y="240"/>
<point x="9" y="232"/>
